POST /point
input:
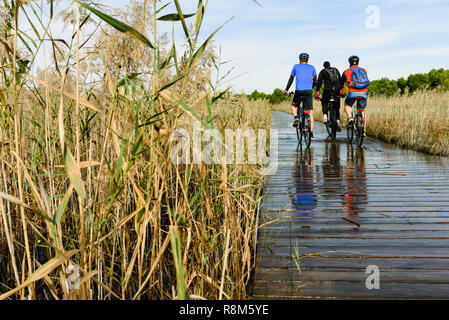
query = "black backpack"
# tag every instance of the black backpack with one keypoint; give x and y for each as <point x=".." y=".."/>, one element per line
<point x="334" y="75"/>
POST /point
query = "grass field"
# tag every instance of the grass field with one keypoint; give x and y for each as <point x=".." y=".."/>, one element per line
<point x="418" y="121"/>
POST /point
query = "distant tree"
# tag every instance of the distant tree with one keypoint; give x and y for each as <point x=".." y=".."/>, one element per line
<point x="418" y="81"/>
<point x="384" y="87"/>
<point x="438" y="79"/>
<point x="445" y="84"/>
<point x="277" y="96"/>
<point x="435" y="79"/>
<point x="256" y="95"/>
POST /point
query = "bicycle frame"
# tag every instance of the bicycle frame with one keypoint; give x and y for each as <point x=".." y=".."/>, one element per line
<point x="356" y="111"/>
<point x="332" y="113"/>
<point x="304" y="126"/>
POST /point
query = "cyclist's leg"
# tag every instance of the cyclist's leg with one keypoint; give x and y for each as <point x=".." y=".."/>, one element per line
<point x="337" y="108"/>
<point x="349" y="102"/>
<point x="325" y="103"/>
<point x="294" y="110"/>
<point x="312" y="120"/>
<point x="337" y="105"/>
<point x="295" y="106"/>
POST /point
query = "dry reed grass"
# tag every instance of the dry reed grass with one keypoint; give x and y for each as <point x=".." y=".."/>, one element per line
<point x="86" y="178"/>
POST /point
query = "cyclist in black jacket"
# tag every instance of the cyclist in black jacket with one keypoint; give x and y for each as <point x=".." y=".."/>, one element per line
<point x="331" y="78"/>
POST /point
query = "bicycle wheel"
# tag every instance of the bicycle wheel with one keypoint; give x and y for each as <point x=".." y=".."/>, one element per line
<point x="350" y="132"/>
<point x="333" y="134"/>
<point x="299" y="133"/>
<point x="328" y="127"/>
<point x="307" y="132"/>
<point x="360" y="129"/>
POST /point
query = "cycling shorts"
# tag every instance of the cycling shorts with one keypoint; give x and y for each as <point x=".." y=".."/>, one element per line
<point x="305" y="97"/>
<point x="326" y="99"/>
<point x="361" y="104"/>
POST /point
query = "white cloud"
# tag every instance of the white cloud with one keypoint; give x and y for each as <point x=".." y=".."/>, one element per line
<point x="266" y="42"/>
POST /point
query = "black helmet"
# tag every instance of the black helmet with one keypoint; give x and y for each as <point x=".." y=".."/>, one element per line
<point x="353" y="60"/>
<point x="304" y="57"/>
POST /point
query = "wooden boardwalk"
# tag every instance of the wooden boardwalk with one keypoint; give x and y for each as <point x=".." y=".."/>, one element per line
<point x="331" y="212"/>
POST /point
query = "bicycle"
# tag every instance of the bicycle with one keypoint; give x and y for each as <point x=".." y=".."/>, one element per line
<point x="304" y="129"/>
<point x="358" y="126"/>
<point x="332" y="125"/>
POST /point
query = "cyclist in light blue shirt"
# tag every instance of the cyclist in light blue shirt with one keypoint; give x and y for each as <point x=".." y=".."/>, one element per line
<point x="305" y="75"/>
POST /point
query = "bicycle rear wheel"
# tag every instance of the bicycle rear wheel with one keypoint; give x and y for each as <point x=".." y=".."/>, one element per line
<point x="333" y="119"/>
<point x="307" y="132"/>
<point x="360" y="130"/>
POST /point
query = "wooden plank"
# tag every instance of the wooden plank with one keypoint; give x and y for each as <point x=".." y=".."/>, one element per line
<point x="362" y="221"/>
<point x="426" y="212"/>
<point x="403" y="224"/>
<point x="352" y="228"/>
<point x="354" y="275"/>
<point x="335" y="290"/>
<point x="311" y="263"/>
<point x="377" y="243"/>
<point x="335" y="251"/>
<point x="354" y="233"/>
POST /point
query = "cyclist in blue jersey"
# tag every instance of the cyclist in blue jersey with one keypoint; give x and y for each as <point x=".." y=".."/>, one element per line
<point x="305" y="81"/>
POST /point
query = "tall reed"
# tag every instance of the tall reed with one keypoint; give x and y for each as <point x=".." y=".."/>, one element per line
<point x="86" y="182"/>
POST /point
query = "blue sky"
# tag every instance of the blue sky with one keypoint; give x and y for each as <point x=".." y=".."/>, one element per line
<point x="264" y="43"/>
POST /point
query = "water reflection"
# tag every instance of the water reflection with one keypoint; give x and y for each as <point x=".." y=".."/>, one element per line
<point x="356" y="197"/>
<point x="341" y="184"/>
<point x="332" y="171"/>
<point x="302" y="194"/>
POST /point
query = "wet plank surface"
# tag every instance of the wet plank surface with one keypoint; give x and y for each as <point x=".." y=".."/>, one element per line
<point x="332" y="211"/>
